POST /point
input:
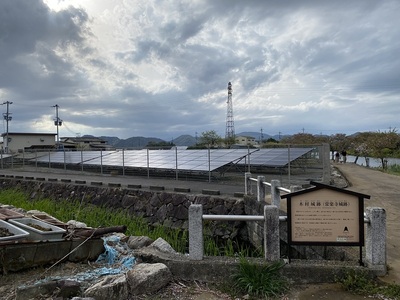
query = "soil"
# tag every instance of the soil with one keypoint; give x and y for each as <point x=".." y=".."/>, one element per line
<point x="5" y="232"/>
<point x="384" y="190"/>
<point x="38" y="227"/>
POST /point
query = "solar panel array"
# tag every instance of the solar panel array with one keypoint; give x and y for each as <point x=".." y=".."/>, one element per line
<point x="181" y="159"/>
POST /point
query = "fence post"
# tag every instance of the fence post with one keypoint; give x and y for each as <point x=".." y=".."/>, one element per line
<point x="176" y="162"/>
<point x="271" y="233"/>
<point x="247" y="184"/>
<point x="260" y="188"/>
<point x="123" y="162"/>
<point x="326" y="163"/>
<point x="375" y="240"/>
<point x="82" y="160"/>
<point x="275" y="193"/>
<point x="148" y="163"/>
<point x="65" y="163"/>
<point x="101" y="161"/>
<point x="196" y="243"/>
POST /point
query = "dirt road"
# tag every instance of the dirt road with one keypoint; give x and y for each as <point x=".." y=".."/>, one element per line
<point x="384" y="190"/>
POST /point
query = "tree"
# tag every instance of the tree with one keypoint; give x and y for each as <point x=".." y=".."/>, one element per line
<point x="383" y="145"/>
<point x="304" y="138"/>
<point x="380" y="145"/>
<point x="209" y="138"/>
<point x="161" y="144"/>
<point x="339" y="142"/>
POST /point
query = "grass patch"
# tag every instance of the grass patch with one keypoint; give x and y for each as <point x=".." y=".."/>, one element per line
<point x="393" y="169"/>
<point x="95" y="216"/>
<point x="358" y="282"/>
<point x="260" y="280"/>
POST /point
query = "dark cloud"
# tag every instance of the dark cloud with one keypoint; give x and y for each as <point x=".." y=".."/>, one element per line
<point x="161" y="69"/>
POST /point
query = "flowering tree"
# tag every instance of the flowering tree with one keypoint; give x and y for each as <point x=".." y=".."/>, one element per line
<point x="384" y="145"/>
<point x="377" y="144"/>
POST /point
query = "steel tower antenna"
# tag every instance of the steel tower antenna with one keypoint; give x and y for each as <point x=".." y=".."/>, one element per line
<point x="230" y="127"/>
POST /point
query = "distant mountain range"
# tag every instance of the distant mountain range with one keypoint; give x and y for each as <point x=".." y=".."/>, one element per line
<point x="183" y="140"/>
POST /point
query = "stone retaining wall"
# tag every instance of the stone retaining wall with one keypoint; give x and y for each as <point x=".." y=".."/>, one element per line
<point x="169" y="209"/>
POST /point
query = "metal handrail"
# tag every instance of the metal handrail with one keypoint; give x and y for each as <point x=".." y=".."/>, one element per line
<point x="249" y="218"/>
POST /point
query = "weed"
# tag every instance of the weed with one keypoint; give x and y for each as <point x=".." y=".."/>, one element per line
<point x="260" y="280"/>
<point x="358" y="282"/>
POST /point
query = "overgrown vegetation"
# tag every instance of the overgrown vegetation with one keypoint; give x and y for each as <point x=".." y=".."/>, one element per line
<point x="260" y="280"/>
<point x="95" y="217"/>
<point x="393" y="169"/>
<point x="358" y="282"/>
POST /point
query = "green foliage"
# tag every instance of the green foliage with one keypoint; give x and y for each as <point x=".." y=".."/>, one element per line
<point x="260" y="280"/>
<point x="393" y="169"/>
<point x="358" y="282"/>
<point x="377" y="144"/>
<point x="210" y="138"/>
<point x="161" y="144"/>
<point x="304" y="139"/>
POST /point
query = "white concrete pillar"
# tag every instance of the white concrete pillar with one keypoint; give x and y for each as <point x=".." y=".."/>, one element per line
<point x="375" y="239"/>
<point x="271" y="233"/>
<point x="196" y="242"/>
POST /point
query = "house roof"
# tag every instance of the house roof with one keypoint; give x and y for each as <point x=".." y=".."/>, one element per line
<point x="83" y="139"/>
<point x="28" y="133"/>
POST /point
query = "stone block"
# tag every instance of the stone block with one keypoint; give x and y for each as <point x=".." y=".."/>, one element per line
<point x="210" y="192"/>
<point x="148" y="278"/>
<point x="110" y="287"/>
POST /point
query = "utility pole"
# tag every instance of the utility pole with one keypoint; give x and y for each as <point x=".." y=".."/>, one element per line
<point x="57" y="122"/>
<point x="8" y="118"/>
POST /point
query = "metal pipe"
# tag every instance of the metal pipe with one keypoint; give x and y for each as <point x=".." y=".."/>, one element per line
<point x="233" y="218"/>
<point x="247" y="218"/>
<point x="282" y="189"/>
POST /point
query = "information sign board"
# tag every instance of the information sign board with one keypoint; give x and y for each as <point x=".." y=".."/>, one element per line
<point x="325" y="216"/>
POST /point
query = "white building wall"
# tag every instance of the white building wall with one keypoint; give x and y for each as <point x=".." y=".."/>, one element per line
<point x="18" y="142"/>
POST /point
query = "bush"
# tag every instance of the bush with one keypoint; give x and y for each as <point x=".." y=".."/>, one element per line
<point x="260" y="280"/>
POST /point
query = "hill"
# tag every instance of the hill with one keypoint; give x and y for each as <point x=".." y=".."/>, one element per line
<point x="185" y="140"/>
<point x="132" y="142"/>
<point x="140" y="141"/>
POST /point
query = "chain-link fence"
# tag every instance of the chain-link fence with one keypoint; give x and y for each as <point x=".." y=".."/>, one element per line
<point x="288" y="163"/>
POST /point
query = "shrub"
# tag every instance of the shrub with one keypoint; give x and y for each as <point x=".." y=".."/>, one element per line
<point x="260" y="280"/>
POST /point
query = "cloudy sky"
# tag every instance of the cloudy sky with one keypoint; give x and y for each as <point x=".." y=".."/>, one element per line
<point x="160" y="68"/>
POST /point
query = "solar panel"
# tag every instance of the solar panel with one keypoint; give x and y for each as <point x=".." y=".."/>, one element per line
<point x="277" y="157"/>
<point x="181" y="159"/>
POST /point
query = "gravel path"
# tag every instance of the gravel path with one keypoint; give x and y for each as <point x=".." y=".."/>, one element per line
<point x="384" y="190"/>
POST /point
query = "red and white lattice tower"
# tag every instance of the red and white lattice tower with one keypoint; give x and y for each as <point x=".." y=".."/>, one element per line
<point x="230" y="127"/>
